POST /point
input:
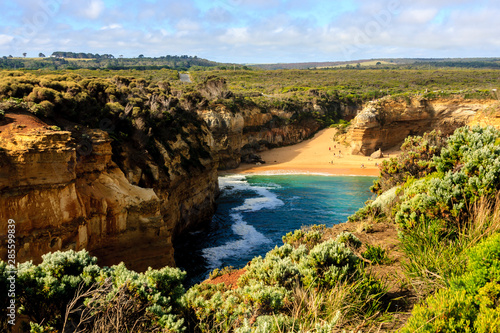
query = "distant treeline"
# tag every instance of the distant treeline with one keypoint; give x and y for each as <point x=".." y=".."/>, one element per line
<point x="81" y="55"/>
<point x="72" y="60"/>
<point x="390" y="63"/>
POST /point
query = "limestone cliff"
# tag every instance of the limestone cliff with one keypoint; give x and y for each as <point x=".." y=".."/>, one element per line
<point x="64" y="191"/>
<point x="236" y="135"/>
<point x="385" y="123"/>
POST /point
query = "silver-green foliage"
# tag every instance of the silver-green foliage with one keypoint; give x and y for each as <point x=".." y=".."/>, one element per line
<point x="467" y="169"/>
<point x="260" y="301"/>
<point x="45" y="290"/>
<point x="348" y="239"/>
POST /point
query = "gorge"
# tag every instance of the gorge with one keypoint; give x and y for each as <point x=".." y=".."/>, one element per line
<point x="123" y="179"/>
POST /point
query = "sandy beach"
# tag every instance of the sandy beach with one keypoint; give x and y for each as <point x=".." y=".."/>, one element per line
<point x="318" y="155"/>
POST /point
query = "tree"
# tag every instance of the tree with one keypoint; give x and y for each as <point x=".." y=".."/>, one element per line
<point x="24" y="54"/>
<point x="141" y="56"/>
<point x="41" y="55"/>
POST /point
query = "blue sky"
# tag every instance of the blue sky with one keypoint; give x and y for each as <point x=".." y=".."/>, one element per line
<point x="253" y="31"/>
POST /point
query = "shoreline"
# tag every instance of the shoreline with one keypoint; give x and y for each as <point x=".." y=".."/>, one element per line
<point x="319" y="155"/>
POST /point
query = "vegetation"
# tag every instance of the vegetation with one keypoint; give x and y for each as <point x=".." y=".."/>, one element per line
<point x="67" y="290"/>
<point x="415" y="161"/>
<point x="470" y="303"/>
<point x="448" y="218"/>
<point x="354" y="86"/>
<point x="72" y="60"/>
<point x="441" y="193"/>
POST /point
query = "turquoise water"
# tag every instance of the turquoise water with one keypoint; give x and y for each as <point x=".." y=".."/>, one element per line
<point x="254" y="212"/>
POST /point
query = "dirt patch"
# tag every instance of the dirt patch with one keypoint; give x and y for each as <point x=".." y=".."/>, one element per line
<point x="20" y="122"/>
<point x="400" y="296"/>
<point x="230" y="279"/>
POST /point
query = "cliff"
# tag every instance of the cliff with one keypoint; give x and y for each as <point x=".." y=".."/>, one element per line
<point x="64" y="191"/>
<point x="385" y="123"/>
<point x="238" y="135"/>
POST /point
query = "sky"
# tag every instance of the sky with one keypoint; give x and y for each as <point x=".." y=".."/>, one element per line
<point x="253" y="31"/>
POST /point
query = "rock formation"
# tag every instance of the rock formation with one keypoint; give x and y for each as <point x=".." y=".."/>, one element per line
<point x="237" y="135"/>
<point x="385" y="123"/>
<point x="64" y="191"/>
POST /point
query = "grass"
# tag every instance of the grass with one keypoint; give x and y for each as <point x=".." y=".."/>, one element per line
<point x="432" y="264"/>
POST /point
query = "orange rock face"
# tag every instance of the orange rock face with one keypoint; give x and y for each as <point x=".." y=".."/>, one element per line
<point x="385" y="123"/>
<point x="251" y="131"/>
<point x="63" y="196"/>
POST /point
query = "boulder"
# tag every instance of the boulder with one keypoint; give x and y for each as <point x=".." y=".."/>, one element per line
<point x="377" y="154"/>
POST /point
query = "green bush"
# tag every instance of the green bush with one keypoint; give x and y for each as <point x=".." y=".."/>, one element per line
<point x="329" y="263"/>
<point x="348" y="239"/>
<point x="269" y="285"/>
<point x="470" y="304"/>
<point x="43" y="109"/>
<point x="467" y="170"/>
<point x="273" y="271"/>
<point x="308" y="236"/>
<point x="376" y="254"/>
<point x="415" y="160"/>
<point x="104" y="296"/>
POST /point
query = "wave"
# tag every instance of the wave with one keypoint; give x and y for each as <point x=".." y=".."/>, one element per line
<point x="238" y="183"/>
<point x="250" y="239"/>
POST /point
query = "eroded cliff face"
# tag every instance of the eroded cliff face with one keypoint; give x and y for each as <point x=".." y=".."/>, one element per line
<point x="385" y="123"/>
<point x="236" y="135"/>
<point x="65" y="192"/>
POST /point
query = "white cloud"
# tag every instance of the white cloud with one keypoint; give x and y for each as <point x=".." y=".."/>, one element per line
<point x="263" y="30"/>
<point x="417" y="16"/>
<point x="94" y="9"/>
<point x="111" y="26"/>
<point x="5" y="39"/>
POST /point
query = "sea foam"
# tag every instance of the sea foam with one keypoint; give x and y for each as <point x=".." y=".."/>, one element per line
<point x="250" y="238"/>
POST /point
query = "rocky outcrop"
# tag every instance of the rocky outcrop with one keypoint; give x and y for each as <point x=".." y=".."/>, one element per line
<point x="385" y="123"/>
<point x="64" y="191"/>
<point x="241" y="134"/>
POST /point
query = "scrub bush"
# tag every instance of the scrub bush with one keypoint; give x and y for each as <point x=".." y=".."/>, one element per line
<point x="470" y="304"/>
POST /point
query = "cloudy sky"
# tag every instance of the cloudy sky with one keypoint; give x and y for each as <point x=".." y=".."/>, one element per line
<point x="253" y="31"/>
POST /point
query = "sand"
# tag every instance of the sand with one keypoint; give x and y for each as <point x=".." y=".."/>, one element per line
<point x="318" y="155"/>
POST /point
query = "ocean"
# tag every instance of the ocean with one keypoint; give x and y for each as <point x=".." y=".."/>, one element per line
<point x="255" y="211"/>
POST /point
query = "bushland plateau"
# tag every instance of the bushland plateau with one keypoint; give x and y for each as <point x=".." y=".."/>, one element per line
<point x="100" y="166"/>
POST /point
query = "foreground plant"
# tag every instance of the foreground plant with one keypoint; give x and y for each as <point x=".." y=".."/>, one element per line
<point x="292" y="289"/>
<point x="68" y="291"/>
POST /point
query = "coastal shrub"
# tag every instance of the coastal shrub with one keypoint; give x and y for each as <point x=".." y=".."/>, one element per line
<point x="273" y="271"/>
<point x="434" y="210"/>
<point x="348" y="239"/>
<point x="214" y="307"/>
<point x="220" y="272"/>
<point x="308" y="236"/>
<point x="267" y="293"/>
<point x="69" y="290"/>
<point x="415" y="160"/>
<point x="146" y="301"/>
<point x="470" y="304"/>
<point x="327" y="263"/>
<point x="368" y="211"/>
<point x="43" y="109"/>
<point x="44" y="290"/>
<point x="268" y="323"/>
